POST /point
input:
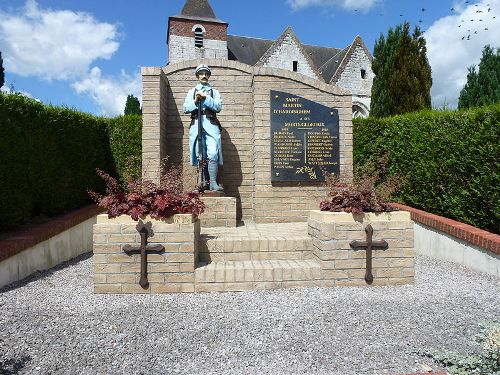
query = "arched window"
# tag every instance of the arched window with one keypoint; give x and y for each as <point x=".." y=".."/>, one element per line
<point x="359" y="111"/>
<point x="198" y="37"/>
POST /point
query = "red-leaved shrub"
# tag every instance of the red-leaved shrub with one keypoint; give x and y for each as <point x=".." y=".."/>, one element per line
<point x="362" y="195"/>
<point x="142" y="197"/>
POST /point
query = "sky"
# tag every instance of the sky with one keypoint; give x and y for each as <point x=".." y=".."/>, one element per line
<point x="87" y="54"/>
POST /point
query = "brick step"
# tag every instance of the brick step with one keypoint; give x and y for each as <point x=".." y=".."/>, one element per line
<point x="257" y="275"/>
<point x="223" y="248"/>
<point x="256" y="241"/>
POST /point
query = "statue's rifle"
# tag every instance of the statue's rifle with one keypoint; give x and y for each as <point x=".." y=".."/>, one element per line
<point x="201" y="159"/>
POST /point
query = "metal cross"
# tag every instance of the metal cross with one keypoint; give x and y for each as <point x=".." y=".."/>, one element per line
<point x="144" y="249"/>
<point x="369" y="244"/>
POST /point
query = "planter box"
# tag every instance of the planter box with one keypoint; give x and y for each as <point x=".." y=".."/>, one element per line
<point x="169" y="272"/>
<point x="341" y="265"/>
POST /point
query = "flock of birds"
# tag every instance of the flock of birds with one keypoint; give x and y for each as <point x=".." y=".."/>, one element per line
<point x="469" y="27"/>
<point x="480" y="14"/>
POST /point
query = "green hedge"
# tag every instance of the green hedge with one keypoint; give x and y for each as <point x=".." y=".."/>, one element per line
<point x="450" y="160"/>
<point x="48" y="159"/>
<point x="125" y="134"/>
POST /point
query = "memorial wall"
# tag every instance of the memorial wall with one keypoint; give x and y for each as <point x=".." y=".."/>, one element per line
<point x="281" y="132"/>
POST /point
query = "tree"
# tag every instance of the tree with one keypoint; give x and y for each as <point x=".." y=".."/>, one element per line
<point x="403" y="76"/>
<point x="482" y="87"/>
<point x="2" y="74"/>
<point x="133" y="106"/>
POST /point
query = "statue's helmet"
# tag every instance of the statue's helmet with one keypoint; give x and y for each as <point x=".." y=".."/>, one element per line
<point x="201" y="67"/>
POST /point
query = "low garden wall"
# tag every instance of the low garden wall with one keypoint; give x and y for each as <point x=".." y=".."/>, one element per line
<point x="341" y="265"/>
<point x="169" y="271"/>
<point x="68" y="236"/>
<point x="446" y="239"/>
<point x="46" y="245"/>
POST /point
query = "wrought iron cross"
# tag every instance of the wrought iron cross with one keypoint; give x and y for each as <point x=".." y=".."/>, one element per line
<point x="369" y="245"/>
<point x="144" y="249"/>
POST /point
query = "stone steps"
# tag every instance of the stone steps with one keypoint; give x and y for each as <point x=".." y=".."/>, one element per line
<point x="257" y="275"/>
<point x="256" y="242"/>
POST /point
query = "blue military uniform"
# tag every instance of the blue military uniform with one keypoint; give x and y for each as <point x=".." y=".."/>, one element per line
<point x="211" y="136"/>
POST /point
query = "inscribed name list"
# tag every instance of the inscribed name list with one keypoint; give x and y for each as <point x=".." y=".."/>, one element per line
<point x="304" y="139"/>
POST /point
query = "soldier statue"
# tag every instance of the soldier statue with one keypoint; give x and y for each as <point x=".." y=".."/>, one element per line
<point x="203" y="103"/>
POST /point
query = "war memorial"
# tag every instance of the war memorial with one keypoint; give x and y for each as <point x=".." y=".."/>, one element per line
<point x="263" y="281"/>
<point x="278" y="133"/>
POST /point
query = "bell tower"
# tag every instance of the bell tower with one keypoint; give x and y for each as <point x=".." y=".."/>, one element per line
<point x="195" y="33"/>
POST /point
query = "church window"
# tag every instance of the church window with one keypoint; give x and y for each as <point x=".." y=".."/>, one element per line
<point x="198" y="37"/>
<point x="295" y="66"/>
<point x="363" y="73"/>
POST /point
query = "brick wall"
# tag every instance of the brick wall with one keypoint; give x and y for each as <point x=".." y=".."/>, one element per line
<point x="154" y="112"/>
<point x="332" y="233"/>
<point x="181" y="41"/>
<point x="170" y="272"/>
<point x="183" y="27"/>
<point x="245" y="120"/>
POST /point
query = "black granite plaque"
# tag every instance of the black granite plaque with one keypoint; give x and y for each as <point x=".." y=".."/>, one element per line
<point x="304" y="139"/>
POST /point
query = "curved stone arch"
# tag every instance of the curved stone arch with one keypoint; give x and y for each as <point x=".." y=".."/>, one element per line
<point x="199" y="26"/>
<point x="359" y="110"/>
<point x="257" y="71"/>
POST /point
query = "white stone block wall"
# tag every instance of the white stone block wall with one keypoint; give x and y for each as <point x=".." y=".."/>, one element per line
<point x="285" y="54"/>
<point x="351" y="76"/>
<point x="182" y="48"/>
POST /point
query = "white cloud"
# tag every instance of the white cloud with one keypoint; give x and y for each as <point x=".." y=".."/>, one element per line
<point x="362" y="5"/>
<point x="110" y="93"/>
<point x="53" y="44"/>
<point x="452" y="49"/>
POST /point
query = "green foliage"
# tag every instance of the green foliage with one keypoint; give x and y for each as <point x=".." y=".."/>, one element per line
<point x="403" y="75"/>
<point x="49" y="157"/>
<point x="133" y="106"/>
<point x="486" y="362"/>
<point x="482" y="87"/>
<point x="125" y="136"/>
<point x="2" y="71"/>
<point x="449" y="160"/>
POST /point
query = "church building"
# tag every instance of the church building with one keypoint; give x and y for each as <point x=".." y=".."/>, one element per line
<point x="196" y="33"/>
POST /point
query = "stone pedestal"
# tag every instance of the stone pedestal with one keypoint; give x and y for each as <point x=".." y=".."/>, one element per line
<point x="169" y="272"/>
<point x="219" y="212"/>
<point x="333" y="232"/>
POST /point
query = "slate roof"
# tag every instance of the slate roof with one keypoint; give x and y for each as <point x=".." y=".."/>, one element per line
<point x="320" y="55"/>
<point x="198" y="10"/>
<point x="249" y="51"/>
<point x="331" y="66"/>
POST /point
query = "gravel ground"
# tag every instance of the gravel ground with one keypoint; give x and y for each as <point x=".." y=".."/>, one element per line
<point x="52" y="323"/>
